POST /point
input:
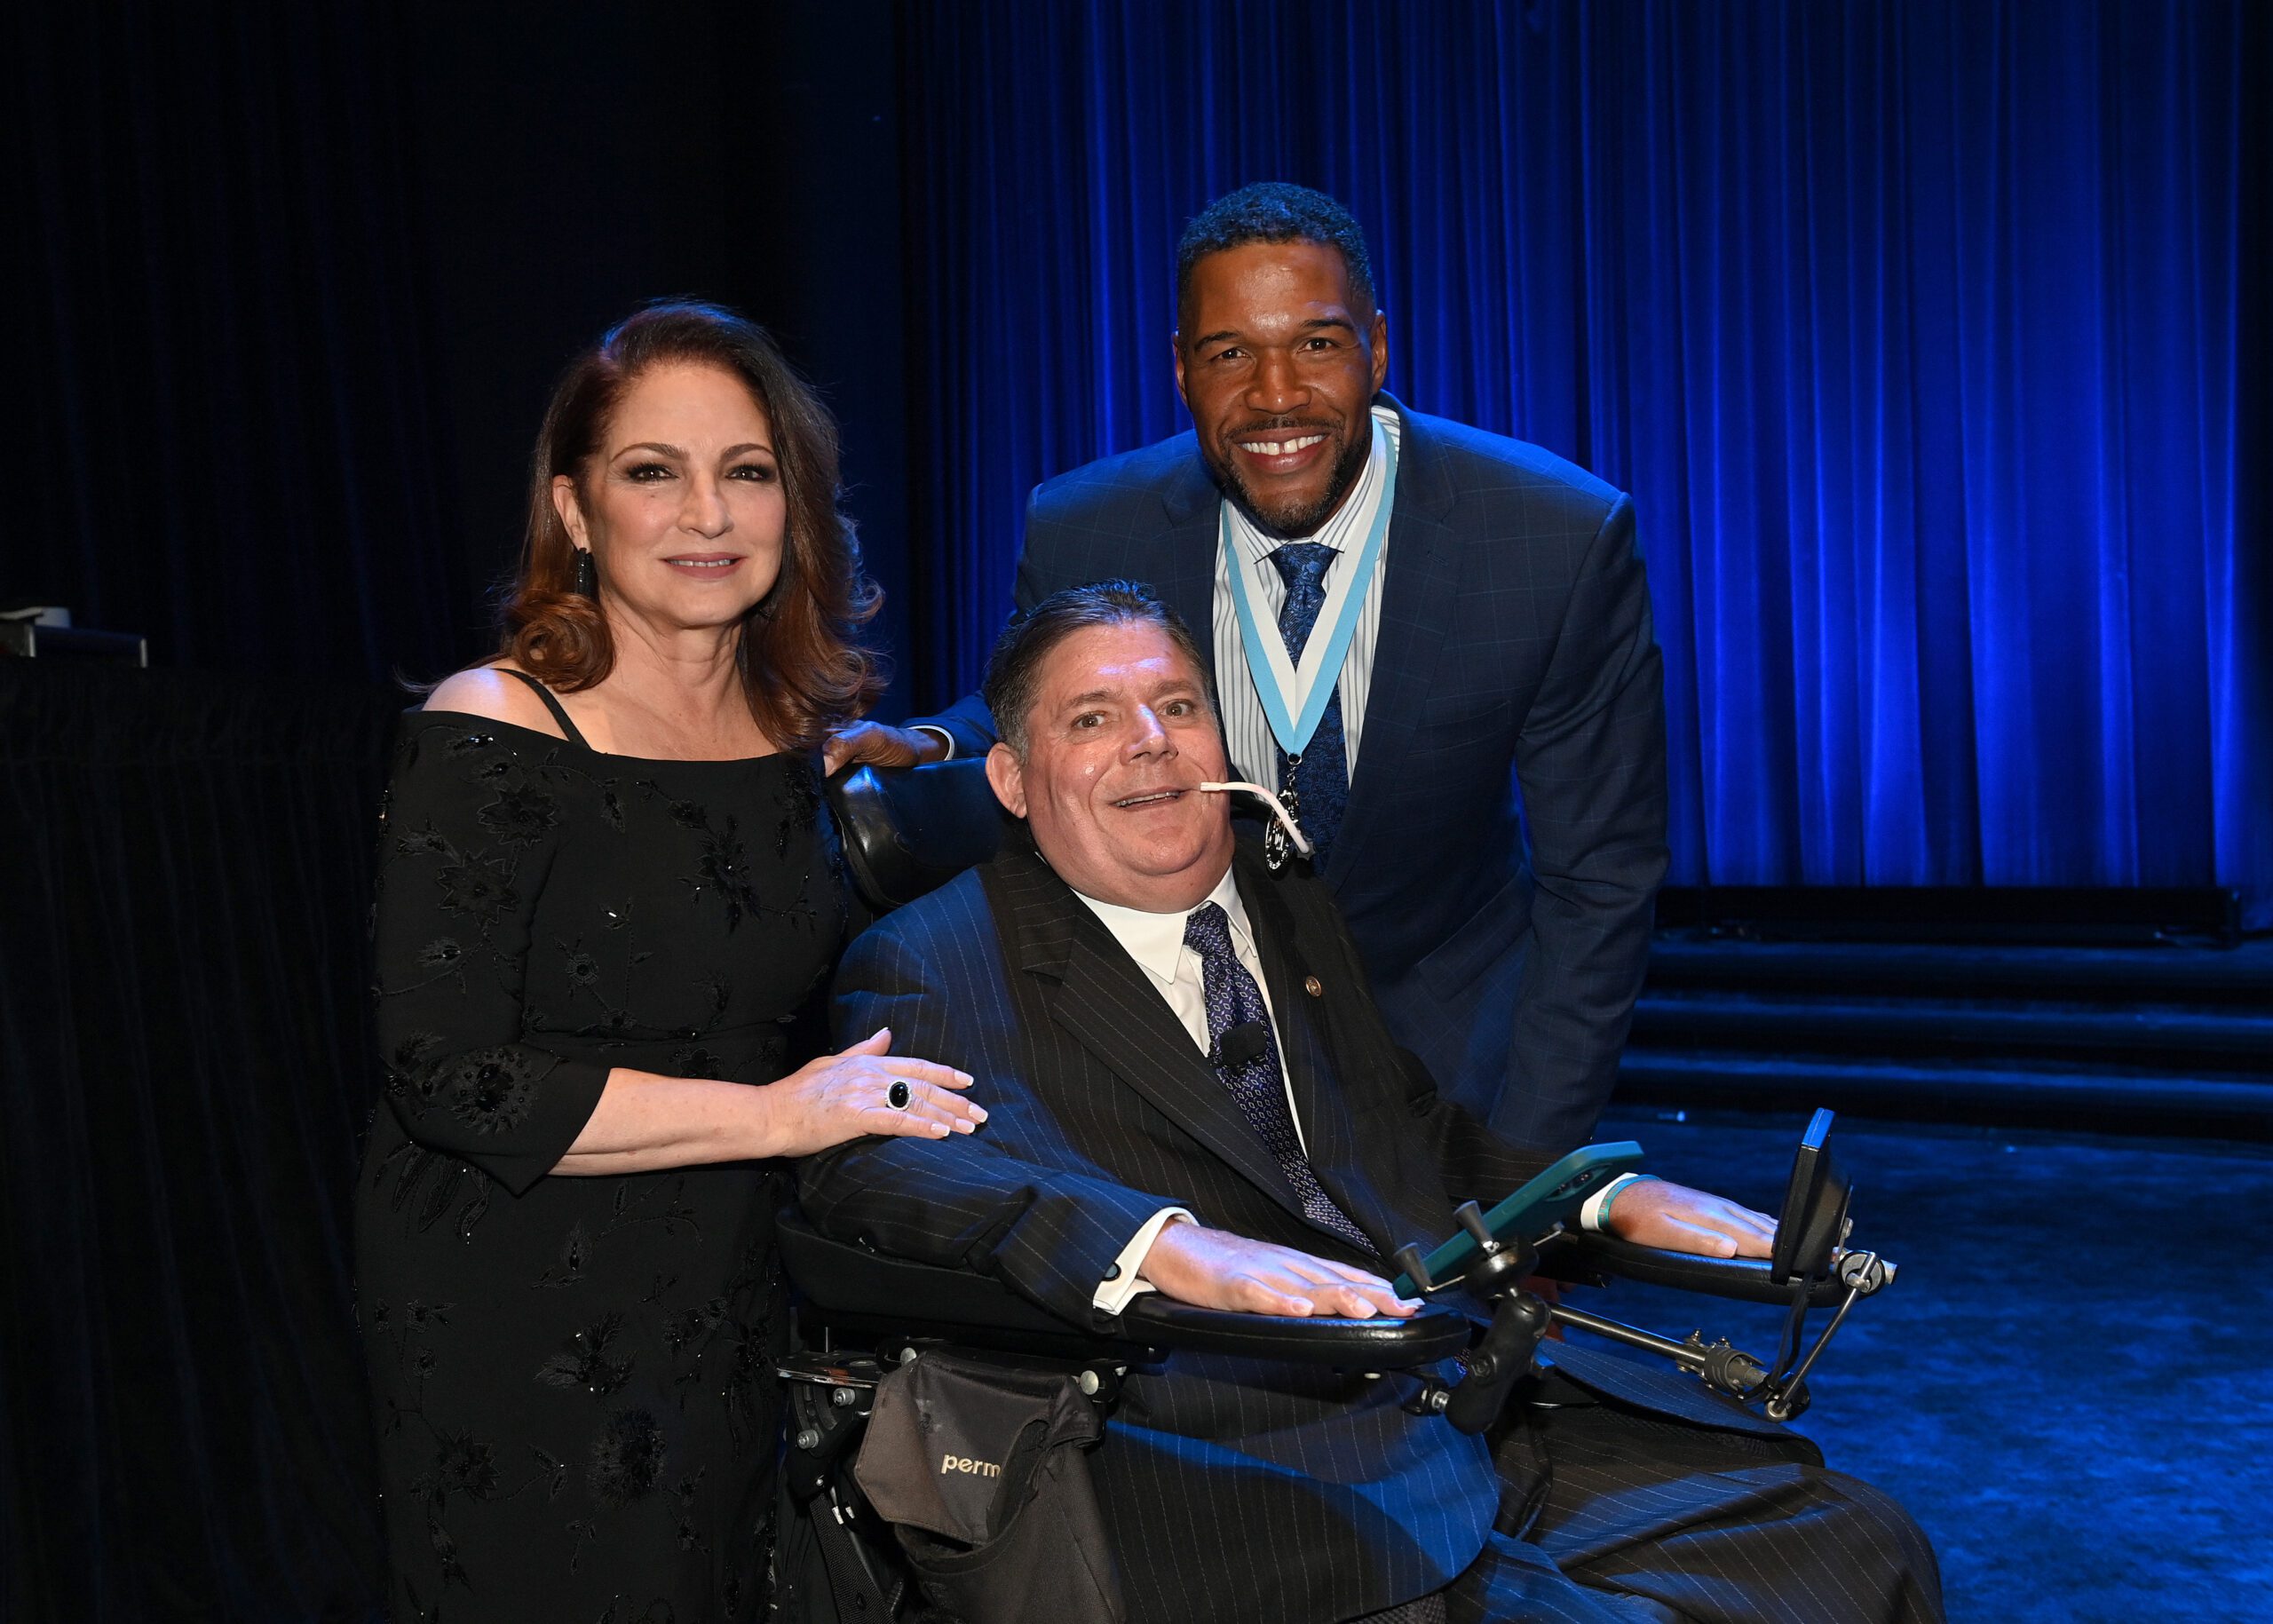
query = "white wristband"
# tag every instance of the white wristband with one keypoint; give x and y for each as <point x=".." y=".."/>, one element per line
<point x="1597" y="1206"/>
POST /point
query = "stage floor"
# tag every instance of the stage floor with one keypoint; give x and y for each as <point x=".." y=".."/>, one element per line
<point x="2068" y="1385"/>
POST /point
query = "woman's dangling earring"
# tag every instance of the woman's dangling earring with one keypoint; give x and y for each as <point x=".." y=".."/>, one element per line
<point x="588" y="575"/>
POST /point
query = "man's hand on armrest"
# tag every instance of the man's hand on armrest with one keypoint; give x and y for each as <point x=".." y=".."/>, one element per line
<point x="1210" y="1268"/>
<point x="883" y="747"/>
<point x="1653" y="1213"/>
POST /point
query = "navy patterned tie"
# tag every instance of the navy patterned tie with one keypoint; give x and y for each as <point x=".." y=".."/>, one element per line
<point x="1321" y="777"/>
<point x="1256" y="1081"/>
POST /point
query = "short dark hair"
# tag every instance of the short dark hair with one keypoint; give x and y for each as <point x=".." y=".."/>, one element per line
<point x="1014" y="669"/>
<point x="1273" y="212"/>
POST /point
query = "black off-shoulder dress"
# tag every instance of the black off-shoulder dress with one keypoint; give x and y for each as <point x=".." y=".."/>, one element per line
<point x="573" y="1377"/>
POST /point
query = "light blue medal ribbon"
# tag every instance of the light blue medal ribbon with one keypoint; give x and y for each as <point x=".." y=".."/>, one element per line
<point x="1294" y="711"/>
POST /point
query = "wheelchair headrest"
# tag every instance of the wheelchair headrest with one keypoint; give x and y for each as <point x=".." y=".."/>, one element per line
<point x="909" y="830"/>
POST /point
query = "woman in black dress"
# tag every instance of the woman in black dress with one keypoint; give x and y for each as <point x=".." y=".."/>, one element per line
<point x="607" y="890"/>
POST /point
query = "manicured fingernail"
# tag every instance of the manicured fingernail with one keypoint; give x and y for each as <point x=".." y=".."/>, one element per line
<point x="966" y="1077"/>
<point x="966" y="1127"/>
<point x="978" y="1113"/>
<point x="939" y="1129"/>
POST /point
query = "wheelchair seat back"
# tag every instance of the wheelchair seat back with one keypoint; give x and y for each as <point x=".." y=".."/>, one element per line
<point x="909" y="830"/>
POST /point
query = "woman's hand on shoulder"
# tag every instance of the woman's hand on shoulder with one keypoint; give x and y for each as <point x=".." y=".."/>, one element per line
<point x="488" y="691"/>
<point x="848" y="1095"/>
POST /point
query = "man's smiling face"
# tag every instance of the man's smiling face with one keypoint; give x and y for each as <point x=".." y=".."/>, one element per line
<point x="1119" y="738"/>
<point x="1279" y="362"/>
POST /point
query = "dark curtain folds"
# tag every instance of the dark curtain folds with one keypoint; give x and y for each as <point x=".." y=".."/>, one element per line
<point x="224" y="339"/>
<point x="1922" y="333"/>
<point x="295" y="282"/>
<point x="186" y="1069"/>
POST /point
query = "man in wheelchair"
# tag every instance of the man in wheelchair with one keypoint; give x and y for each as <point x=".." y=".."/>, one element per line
<point x="1190" y="1092"/>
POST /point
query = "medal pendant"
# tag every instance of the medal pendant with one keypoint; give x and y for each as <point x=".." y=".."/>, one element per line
<point x="1276" y="846"/>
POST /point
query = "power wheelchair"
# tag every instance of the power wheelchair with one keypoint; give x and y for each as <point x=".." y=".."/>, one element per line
<point x="860" y="1315"/>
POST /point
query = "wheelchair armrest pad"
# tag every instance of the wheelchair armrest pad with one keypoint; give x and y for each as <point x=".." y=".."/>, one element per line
<point x="841" y="1277"/>
<point x="1585" y="1257"/>
<point x="920" y="1299"/>
<point x="1432" y="1333"/>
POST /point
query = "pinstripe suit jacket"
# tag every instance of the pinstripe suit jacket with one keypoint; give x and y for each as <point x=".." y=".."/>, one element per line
<point x="1516" y="648"/>
<point x="1234" y="1490"/>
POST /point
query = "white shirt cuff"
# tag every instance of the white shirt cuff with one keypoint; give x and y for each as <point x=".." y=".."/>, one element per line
<point x="1590" y="1213"/>
<point x="941" y="733"/>
<point x="1121" y="1286"/>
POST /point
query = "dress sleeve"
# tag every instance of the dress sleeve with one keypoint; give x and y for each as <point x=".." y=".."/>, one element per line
<point x="468" y="838"/>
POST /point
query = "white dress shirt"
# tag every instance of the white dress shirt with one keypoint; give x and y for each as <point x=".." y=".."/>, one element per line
<point x="1156" y="942"/>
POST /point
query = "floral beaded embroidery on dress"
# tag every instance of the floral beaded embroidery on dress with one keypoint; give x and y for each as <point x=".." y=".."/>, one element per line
<point x="571" y="1375"/>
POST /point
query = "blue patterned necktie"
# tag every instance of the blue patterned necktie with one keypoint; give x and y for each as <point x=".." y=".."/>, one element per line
<point x="1322" y="774"/>
<point x="1256" y="1082"/>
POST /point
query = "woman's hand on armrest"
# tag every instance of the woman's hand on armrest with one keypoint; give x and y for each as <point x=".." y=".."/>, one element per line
<point x="644" y="1121"/>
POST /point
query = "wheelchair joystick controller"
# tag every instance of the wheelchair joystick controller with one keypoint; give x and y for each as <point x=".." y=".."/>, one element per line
<point x="1408" y="1258"/>
<point x="1519" y="1318"/>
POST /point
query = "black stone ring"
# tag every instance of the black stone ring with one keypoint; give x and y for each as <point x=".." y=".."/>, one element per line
<point x="897" y="1096"/>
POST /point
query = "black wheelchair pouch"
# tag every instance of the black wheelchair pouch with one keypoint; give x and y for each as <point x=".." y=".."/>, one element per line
<point x="984" y="1474"/>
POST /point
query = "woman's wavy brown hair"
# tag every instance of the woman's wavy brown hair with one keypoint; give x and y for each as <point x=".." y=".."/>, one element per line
<point x="803" y="671"/>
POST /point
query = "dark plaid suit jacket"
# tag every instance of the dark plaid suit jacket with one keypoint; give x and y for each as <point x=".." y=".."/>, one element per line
<point x="1516" y="648"/>
<point x="1234" y="1490"/>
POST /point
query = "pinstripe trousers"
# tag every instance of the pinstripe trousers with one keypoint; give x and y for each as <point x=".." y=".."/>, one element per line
<point x="1609" y="1515"/>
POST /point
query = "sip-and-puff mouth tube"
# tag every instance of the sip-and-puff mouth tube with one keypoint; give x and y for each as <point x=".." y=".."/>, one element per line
<point x="1285" y="819"/>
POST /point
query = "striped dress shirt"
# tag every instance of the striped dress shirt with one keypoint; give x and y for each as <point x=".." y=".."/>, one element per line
<point x="1255" y="753"/>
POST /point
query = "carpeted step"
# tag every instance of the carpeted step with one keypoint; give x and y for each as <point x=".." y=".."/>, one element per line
<point x="2110" y="1101"/>
<point x="2225" y="1038"/>
<point x="2166" y="975"/>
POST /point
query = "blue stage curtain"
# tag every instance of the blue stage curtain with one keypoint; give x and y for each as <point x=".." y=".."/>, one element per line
<point x="1912" y="327"/>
